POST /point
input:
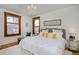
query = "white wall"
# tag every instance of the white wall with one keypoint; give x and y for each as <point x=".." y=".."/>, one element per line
<point x="69" y="16"/>
<point x="24" y="28"/>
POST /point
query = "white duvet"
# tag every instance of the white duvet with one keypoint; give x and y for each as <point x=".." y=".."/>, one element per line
<point x="43" y="46"/>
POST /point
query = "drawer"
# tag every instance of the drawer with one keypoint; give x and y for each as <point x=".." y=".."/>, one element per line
<point x="74" y="44"/>
<point x="73" y="48"/>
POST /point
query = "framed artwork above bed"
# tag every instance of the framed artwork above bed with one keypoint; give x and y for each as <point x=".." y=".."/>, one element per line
<point x="56" y="22"/>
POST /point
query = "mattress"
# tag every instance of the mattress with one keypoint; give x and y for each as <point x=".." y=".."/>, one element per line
<point x="43" y="46"/>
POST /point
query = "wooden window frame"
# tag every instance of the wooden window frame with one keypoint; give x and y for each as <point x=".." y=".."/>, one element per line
<point x="5" y="24"/>
<point x="33" y="24"/>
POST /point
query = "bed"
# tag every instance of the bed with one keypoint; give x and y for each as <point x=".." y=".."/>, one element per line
<point x="38" y="45"/>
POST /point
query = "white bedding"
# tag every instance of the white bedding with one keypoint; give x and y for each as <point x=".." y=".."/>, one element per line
<point x="43" y="46"/>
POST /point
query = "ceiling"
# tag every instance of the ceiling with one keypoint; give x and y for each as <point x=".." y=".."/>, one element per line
<point x="41" y="8"/>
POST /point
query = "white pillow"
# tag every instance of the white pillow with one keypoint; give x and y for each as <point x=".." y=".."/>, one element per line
<point x="58" y="31"/>
<point x="59" y="34"/>
<point x="44" y="30"/>
<point x="40" y="34"/>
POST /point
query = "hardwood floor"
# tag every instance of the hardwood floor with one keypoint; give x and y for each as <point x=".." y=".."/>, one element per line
<point x="73" y="52"/>
<point x="8" y="45"/>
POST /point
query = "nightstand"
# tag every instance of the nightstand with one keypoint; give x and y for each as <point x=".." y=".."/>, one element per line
<point x="19" y="39"/>
<point x="74" y="45"/>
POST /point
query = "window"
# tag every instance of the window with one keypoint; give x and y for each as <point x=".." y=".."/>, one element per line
<point x="12" y="24"/>
<point x="36" y="25"/>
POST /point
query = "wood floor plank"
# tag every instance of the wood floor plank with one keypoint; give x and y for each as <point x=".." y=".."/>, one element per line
<point x="8" y="45"/>
<point x="73" y="52"/>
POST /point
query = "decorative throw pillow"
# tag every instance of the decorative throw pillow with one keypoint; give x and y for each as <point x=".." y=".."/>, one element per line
<point x="28" y="33"/>
<point x="45" y="34"/>
<point x="54" y="36"/>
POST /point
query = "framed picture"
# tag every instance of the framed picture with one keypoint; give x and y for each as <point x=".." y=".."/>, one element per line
<point x="56" y="22"/>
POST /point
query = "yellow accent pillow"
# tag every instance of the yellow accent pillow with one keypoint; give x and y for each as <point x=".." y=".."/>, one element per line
<point x="45" y="34"/>
<point x="54" y="36"/>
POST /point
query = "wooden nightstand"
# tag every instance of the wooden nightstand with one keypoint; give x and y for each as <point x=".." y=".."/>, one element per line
<point x="19" y="39"/>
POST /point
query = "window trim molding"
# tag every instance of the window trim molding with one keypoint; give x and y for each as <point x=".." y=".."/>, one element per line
<point x="38" y="17"/>
<point x="5" y="24"/>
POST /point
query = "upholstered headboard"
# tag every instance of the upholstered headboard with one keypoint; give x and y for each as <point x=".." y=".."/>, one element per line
<point x="51" y="30"/>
